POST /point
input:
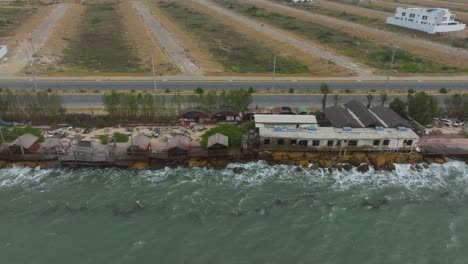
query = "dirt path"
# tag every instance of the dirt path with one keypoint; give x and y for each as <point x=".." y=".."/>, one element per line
<point x="317" y="66"/>
<point x="355" y="10"/>
<point x="443" y="53"/>
<point x="144" y="42"/>
<point x="37" y="38"/>
<point x="179" y="56"/>
<point x="278" y="35"/>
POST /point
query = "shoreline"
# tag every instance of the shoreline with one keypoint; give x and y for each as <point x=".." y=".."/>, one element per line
<point x="312" y="160"/>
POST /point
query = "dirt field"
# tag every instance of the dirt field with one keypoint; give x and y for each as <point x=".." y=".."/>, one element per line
<point x="376" y="19"/>
<point x="435" y="3"/>
<point x="207" y="62"/>
<point x="437" y="56"/>
<point x="16" y="25"/>
<point x="316" y="65"/>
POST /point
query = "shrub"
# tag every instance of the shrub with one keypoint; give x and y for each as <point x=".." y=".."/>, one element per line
<point x="120" y="137"/>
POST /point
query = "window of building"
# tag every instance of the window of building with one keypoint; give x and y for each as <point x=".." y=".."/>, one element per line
<point x="338" y="143"/>
<point x="376" y="143"/>
<point x="408" y="142"/>
<point x="315" y="143"/>
<point x="266" y="141"/>
<point x="444" y="19"/>
<point x="293" y="142"/>
<point x="280" y="141"/>
<point x="386" y="142"/>
<point x="411" y="20"/>
<point x="403" y="14"/>
<point x="330" y="143"/>
<point x="424" y="17"/>
<point x="352" y="143"/>
<point x="303" y="143"/>
<point x="412" y="15"/>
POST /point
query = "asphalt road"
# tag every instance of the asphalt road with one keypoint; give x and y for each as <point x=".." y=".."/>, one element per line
<point x="175" y="85"/>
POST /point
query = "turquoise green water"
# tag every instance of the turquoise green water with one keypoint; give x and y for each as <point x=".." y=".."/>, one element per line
<point x="265" y="214"/>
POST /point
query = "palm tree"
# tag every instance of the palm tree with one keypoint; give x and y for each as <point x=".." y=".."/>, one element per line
<point x="370" y="99"/>
<point x="336" y="99"/>
<point x="325" y="91"/>
<point x="383" y="98"/>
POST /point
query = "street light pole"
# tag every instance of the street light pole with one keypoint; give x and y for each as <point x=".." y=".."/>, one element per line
<point x="274" y="71"/>
<point x="389" y="69"/>
<point x="154" y="72"/>
<point x="32" y="69"/>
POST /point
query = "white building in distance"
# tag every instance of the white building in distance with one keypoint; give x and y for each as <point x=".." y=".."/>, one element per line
<point x="430" y="20"/>
<point x="299" y="1"/>
<point x="3" y="51"/>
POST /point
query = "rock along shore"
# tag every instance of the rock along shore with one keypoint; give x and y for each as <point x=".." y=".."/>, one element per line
<point x="314" y="160"/>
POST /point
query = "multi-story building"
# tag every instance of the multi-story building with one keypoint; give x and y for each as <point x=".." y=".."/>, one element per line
<point x="430" y="20"/>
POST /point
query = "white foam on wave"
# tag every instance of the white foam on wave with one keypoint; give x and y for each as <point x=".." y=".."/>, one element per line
<point x="21" y="176"/>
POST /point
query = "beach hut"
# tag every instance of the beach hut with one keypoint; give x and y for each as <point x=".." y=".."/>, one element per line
<point x="140" y="145"/>
<point x="25" y="144"/>
<point x="218" y="142"/>
<point x="178" y="146"/>
<point x="51" y="146"/>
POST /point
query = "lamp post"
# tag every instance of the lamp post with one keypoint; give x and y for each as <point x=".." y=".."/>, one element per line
<point x="274" y="71"/>
<point x="390" y="69"/>
<point x="154" y="72"/>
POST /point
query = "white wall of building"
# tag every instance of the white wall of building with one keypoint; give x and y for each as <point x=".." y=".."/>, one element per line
<point x="430" y="20"/>
<point x="3" y="51"/>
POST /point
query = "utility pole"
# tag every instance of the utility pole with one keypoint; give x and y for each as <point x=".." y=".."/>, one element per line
<point x="32" y="69"/>
<point x="389" y="69"/>
<point x="274" y="71"/>
<point x="154" y="72"/>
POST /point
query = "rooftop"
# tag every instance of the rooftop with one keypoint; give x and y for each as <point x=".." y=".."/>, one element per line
<point x="285" y="119"/>
<point x="337" y="133"/>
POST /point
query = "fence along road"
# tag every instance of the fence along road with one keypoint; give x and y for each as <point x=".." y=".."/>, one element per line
<point x="338" y="60"/>
<point x="38" y="37"/>
<point x="173" y="49"/>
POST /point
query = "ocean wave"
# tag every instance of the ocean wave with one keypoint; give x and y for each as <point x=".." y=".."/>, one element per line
<point x="436" y="176"/>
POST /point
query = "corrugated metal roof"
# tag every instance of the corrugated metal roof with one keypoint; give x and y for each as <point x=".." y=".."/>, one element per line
<point x="285" y="119"/>
<point x="340" y="117"/>
<point x="179" y="141"/>
<point x="363" y="114"/>
<point x="218" y="139"/>
<point x="390" y="117"/>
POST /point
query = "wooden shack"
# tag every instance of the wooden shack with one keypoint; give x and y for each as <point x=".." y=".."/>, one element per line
<point x="140" y="146"/>
<point x="25" y="144"/>
<point x="218" y="142"/>
<point x="178" y="146"/>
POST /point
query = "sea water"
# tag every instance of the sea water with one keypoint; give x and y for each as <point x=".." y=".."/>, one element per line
<point x="246" y="213"/>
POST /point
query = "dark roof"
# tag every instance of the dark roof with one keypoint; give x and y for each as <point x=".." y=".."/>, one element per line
<point x="26" y="140"/>
<point x="217" y="139"/>
<point x="389" y="117"/>
<point x="340" y="117"/>
<point x="180" y="142"/>
<point x="363" y="113"/>
<point x="140" y="141"/>
<point x="223" y="112"/>
<point x="51" y="143"/>
<point x="193" y="111"/>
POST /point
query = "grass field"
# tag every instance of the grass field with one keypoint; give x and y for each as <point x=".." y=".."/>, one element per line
<point x="380" y="23"/>
<point x="101" y="44"/>
<point x="236" y="52"/>
<point x="362" y="50"/>
<point x="13" y="17"/>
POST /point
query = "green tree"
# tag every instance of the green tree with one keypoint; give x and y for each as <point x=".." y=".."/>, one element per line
<point x="199" y="90"/>
<point x="325" y="90"/>
<point x="383" y="99"/>
<point x="455" y="105"/>
<point x="400" y="107"/>
<point x="443" y="90"/>
<point x="422" y="107"/>
<point x="336" y="99"/>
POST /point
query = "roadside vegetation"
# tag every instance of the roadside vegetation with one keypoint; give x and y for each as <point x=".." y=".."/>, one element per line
<point x="41" y="107"/>
<point x="116" y="137"/>
<point x="144" y="107"/>
<point x="236" y="52"/>
<point x="367" y="52"/>
<point x="101" y="45"/>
